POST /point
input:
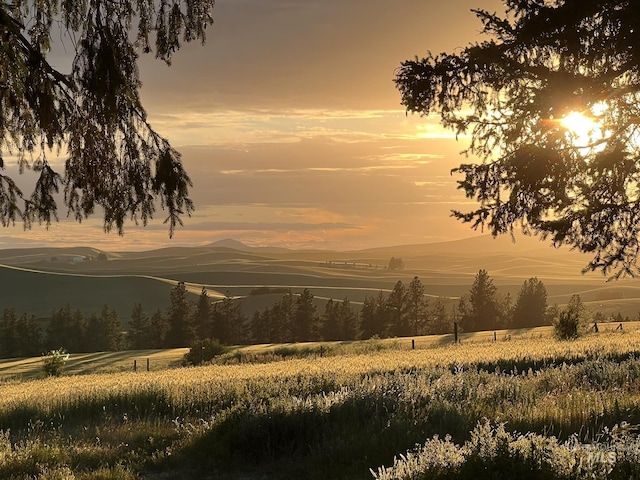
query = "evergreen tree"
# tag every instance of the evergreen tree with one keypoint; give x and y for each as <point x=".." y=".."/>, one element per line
<point x="19" y="336"/>
<point x="261" y="326"/>
<point x="104" y="332"/>
<point x="439" y="321"/>
<point x="513" y="94"/>
<point x="397" y="310"/>
<point x="484" y="310"/>
<point x="139" y="329"/>
<point x="28" y="336"/>
<point x="417" y="305"/>
<point x="158" y="330"/>
<point x="283" y="314"/>
<point x="305" y="326"/>
<point x="331" y="329"/>
<point x="368" y="324"/>
<point x="505" y="314"/>
<point x="8" y="333"/>
<point x="94" y="341"/>
<point x="531" y="305"/>
<point x="349" y="328"/>
<point x="180" y="332"/>
<point x="202" y="318"/>
<point x="375" y="316"/>
<point x="67" y="329"/>
<point x="396" y="264"/>
<point x="110" y="329"/>
<point x="229" y="322"/>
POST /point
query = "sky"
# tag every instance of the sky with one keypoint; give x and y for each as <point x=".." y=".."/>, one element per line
<point x="291" y="128"/>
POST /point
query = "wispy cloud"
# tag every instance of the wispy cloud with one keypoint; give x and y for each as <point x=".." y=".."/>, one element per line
<point x="292" y="131"/>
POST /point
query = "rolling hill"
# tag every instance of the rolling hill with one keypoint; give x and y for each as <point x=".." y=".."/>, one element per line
<point x="38" y="280"/>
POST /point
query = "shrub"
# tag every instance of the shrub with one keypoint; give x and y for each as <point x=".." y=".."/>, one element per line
<point x="54" y="362"/>
<point x="202" y="351"/>
<point x="571" y="321"/>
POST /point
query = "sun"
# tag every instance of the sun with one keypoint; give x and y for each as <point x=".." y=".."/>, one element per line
<point x="579" y="125"/>
<point x="584" y="128"/>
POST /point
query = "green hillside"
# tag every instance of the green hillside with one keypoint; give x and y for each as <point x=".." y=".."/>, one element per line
<point x="41" y="293"/>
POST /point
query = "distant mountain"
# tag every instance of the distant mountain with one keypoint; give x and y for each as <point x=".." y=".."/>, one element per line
<point x="230" y="243"/>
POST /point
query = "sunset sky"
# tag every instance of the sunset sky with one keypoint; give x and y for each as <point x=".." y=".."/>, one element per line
<point x="291" y="128"/>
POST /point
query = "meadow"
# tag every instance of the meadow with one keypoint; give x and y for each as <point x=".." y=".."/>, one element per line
<point x="524" y="405"/>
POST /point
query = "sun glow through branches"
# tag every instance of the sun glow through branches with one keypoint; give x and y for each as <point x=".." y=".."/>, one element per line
<point x="584" y="129"/>
<point x="578" y="124"/>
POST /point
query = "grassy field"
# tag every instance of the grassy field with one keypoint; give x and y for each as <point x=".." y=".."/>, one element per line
<point x="126" y="361"/>
<point x="524" y="406"/>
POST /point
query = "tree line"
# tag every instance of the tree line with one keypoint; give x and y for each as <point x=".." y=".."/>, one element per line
<point x="484" y="308"/>
<point x="24" y="335"/>
<point x="404" y="311"/>
<point x="294" y="318"/>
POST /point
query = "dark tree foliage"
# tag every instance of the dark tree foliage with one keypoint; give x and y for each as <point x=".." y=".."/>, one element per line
<point x="93" y="112"/>
<point x="531" y="305"/>
<point x="397" y="306"/>
<point x="417" y="306"/>
<point x="20" y="336"/>
<point x="484" y="310"/>
<point x="348" y="320"/>
<point x="202" y="351"/>
<point x="159" y="326"/>
<point x="104" y="331"/>
<point x="369" y="321"/>
<point x="541" y="61"/>
<point x="261" y="326"/>
<point x="439" y="321"/>
<point x="305" y="326"/>
<point x="228" y="322"/>
<point x="282" y="318"/>
<point x="68" y="329"/>
<point x="340" y="321"/>
<point x="396" y="264"/>
<point x="331" y="329"/>
<point x="8" y="334"/>
<point x="180" y="327"/>
<point x="202" y="321"/>
<point x="139" y="335"/>
<point x="110" y="329"/>
<point x="506" y="311"/>
<point x="572" y="320"/>
<point x="377" y="316"/>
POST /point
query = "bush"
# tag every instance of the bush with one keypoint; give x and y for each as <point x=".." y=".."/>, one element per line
<point x="571" y="321"/>
<point x="202" y="351"/>
<point x="54" y="362"/>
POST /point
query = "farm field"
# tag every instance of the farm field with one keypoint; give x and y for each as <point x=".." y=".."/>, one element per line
<point x="526" y="405"/>
<point x="37" y="281"/>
